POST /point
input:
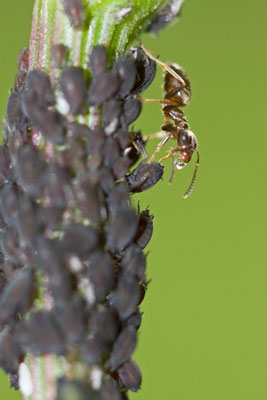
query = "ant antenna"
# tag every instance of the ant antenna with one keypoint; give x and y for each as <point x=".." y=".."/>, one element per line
<point x="189" y="190"/>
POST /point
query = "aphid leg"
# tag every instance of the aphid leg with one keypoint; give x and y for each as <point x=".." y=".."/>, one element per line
<point x="189" y="190"/>
<point x="159" y="146"/>
<point x="164" y="66"/>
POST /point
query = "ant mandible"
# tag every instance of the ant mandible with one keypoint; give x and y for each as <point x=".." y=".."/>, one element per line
<point x="177" y="94"/>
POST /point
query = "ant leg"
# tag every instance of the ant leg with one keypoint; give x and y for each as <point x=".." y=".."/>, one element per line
<point x="139" y="147"/>
<point x="166" y="102"/>
<point x="159" y="146"/>
<point x="157" y="135"/>
<point x="164" y="66"/>
<point x="172" y="172"/>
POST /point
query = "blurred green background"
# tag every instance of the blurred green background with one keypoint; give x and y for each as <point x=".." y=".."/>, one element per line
<point x="204" y="331"/>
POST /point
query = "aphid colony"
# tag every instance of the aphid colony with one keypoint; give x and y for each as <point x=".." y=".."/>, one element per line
<point x="66" y="220"/>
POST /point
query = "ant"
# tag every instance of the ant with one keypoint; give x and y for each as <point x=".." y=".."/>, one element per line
<point x="177" y="94"/>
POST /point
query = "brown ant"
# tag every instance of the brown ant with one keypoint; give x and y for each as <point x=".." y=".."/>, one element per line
<point x="177" y="94"/>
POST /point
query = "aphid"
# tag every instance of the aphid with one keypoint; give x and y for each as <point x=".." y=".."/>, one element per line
<point x="130" y="375"/>
<point x="72" y="319"/>
<point x="121" y="167"/>
<point x="101" y="274"/>
<point x="121" y="229"/>
<point x="144" y="176"/>
<point x="165" y="15"/>
<point x="14" y="115"/>
<point x="38" y="83"/>
<point x="109" y="390"/>
<point x="126" y="71"/>
<point x="29" y="221"/>
<point x="93" y="349"/>
<point x="98" y="60"/>
<point x="58" y="55"/>
<point x="145" y="229"/>
<point x="75" y="12"/>
<point x="41" y="334"/>
<point x="10" y="351"/>
<point x="111" y="151"/>
<point x="79" y="239"/>
<point x="123" y="347"/>
<point x="88" y="200"/>
<point x="30" y="169"/>
<point x="130" y="111"/>
<point x="17" y="295"/>
<point x="9" y="199"/>
<point x="134" y="262"/>
<point x="106" y="323"/>
<point x="6" y="166"/>
<point x="127" y="296"/>
<point x="135" y="320"/>
<point x="73" y="87"/>
<point x="177" y="94"/>
<point x="145" y="69"/>
<point x="102" y="88"/>
<point x="10" y="243"/>
<point x="111" y="113"/>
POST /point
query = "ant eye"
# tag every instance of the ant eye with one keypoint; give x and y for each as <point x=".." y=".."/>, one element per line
<point x="184" y="140"/>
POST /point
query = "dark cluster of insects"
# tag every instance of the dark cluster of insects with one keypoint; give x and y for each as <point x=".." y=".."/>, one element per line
<point x="66" y="220"/>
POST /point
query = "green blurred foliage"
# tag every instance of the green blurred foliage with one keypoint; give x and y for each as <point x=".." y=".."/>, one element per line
<point x="204" y="325"/>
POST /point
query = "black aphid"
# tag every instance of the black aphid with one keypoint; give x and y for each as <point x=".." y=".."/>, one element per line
<point x="73" y="318"/>
<point x="73" y="87"/>
<point x="58" y="55"/>
<point x="164" y="16"/>
<point x="101" y="274"/>
<point x="98" y="60"/>
<point x="144" y="176"/>
<point x="41" y="334"/>
<point x="127" y="296"/>
<point x="30" y="170"/>
<point x="75" y="12"/>
<point x="102" y="88"/>
<point x="130" y="375"/>
<point x="10" y="243"/>
<point x="121" y="229"/>
<point x="39" y="85"/>
<point x="145" y="67"/>
<point x="131" y="110"/>
<point x="10" y="351"/>
<point x="17" y="295"/>
<point x="88" y="200"/>
<point x="123" y="347"/>
<point x="134" y="262"/>
<point x="94" y="349"/>
<point x="145" y="229"/>
<point x="79" y="239"/>
<point x="9" y="198"/>
<point x="14" y="114"/>
<point x="126" y="71"/>
<point x="110" y="391"/>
